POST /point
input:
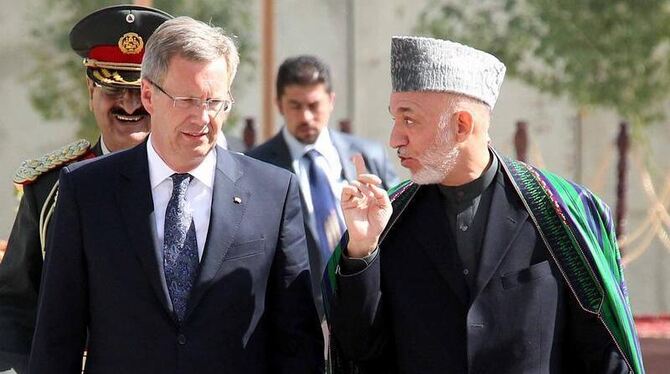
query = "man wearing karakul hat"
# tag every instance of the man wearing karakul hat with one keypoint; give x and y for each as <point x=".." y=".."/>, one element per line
<point x="479" y="264"/>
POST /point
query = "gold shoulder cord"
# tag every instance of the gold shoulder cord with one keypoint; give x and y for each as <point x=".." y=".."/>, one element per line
<point x="30" y="170"/>
<point x="45" y="216"/>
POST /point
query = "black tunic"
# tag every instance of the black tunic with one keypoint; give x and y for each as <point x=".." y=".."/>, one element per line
<point x="20" y="272"/>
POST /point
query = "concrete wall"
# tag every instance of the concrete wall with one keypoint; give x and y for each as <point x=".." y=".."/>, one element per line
<point x="359" y="57"/>
<point x="23" y="133"/>
<point x="354" y="37"/>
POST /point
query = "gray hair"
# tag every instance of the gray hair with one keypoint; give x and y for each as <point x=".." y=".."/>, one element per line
<point x="191" y="39"/>
<point x="455" y="102"/>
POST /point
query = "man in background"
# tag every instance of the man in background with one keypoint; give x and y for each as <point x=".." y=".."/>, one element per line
<point x="111" y="41"/>
<point x="319" y="156"/>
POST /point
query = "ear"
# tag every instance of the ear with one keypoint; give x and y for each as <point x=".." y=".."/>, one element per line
<point x="280" y="107"/>
<point x="464" y="125"/>
<point x="146" y="95"/>
<point x="332" y="101"/>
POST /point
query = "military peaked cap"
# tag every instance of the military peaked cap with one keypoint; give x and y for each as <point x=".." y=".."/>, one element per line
<point x="111" y="41"/>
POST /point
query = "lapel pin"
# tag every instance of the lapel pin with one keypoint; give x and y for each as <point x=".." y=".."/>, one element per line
<point x="237" y="200"/>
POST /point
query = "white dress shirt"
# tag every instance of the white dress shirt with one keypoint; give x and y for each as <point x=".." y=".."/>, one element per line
<point x="329" y="162"/>
<point x="198" y="194"/>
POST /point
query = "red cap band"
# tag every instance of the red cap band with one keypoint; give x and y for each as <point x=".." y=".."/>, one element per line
<point x="112" y="53"/>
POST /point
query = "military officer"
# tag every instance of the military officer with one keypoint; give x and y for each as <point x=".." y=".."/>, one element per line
<point x="111" y="41"/>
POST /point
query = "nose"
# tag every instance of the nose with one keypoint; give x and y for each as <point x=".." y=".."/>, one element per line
<point x="130" y="101"/>
<point x="306" y="115"/>
<point x="398" y="137"/>
<point x="204" y="113"/>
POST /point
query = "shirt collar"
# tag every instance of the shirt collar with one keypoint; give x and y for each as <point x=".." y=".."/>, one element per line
<point x="159" y="170"/>
<point x="473" y="189"/>
<point x="103" y="147"/>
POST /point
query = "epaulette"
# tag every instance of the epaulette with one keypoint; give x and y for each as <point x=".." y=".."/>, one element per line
<point x="31" y="169"/>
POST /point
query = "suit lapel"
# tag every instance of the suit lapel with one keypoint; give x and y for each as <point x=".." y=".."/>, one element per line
<point x="434" y="238"/>
<point x="136" y="203"/>
<point x="281" y="153"/>
<point x="505" y="220"/>
<point x="225" y="218"/>
<point x="282" y="158"/>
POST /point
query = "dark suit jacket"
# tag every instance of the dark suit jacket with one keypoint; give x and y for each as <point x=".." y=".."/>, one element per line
<point x="250" y="310"/>
<point x="275" y="151"/>
<point x="20" y="272"/>
<point x="411" y="310"/>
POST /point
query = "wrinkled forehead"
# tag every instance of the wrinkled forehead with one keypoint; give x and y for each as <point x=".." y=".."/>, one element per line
<point x="184" y="72"/>
<point x="419" y="102"/>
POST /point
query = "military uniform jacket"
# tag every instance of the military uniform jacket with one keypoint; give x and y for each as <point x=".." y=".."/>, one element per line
<point x="21" y="268"/>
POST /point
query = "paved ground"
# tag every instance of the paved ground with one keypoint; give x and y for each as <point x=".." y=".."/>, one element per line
<point x="656" y="355"/>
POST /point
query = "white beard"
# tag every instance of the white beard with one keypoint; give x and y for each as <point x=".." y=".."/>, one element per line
<point x="437" y="161"/>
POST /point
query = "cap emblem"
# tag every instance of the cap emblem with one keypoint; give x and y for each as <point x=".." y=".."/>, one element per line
<point x="131" y="43"/>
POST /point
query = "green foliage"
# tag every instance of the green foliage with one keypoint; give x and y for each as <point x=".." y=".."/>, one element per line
<point x="609" y="53"/>
<point x="58" y="84"/>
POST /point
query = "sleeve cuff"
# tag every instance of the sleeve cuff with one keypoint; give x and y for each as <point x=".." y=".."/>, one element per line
<point x="350" y="265"/>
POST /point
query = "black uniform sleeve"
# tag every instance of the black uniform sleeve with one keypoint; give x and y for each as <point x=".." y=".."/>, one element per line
<point x="19" y="283"/>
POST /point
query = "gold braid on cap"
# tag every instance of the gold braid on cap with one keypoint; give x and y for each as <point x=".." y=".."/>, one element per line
<point x="91" y="63"/>
<point x="110" y="78"/>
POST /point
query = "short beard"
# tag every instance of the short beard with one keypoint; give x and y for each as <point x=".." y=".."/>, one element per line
<point x="439" y="159"/>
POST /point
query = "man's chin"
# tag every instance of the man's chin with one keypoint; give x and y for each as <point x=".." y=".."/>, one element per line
<point x="427" y="176"/>
<point x="307" y="136"/>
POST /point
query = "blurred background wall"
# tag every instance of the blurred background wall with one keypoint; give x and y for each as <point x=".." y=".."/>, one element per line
<point x="354" y="38"/>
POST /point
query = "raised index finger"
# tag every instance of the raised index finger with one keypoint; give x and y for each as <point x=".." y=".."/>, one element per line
<point x="360" y="164"/>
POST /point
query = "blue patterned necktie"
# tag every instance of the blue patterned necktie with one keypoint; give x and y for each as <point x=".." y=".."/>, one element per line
<point x="328" y="224"/>
<point x="180" y="247"/>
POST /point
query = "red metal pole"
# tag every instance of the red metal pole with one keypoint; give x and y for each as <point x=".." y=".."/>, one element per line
<point x="267" y="63"/>
<point x="249" y="133"/>
<point x="521" y="141"/>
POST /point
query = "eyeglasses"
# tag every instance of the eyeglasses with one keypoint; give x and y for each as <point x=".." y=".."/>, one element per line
<point x="214" y="106"/>
<point x="115" y="92"/>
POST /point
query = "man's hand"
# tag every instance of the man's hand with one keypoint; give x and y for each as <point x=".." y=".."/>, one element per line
<point x="366" y="208"/>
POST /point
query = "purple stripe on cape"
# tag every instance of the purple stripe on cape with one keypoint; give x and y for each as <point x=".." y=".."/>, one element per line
<point x="569" y="218"/>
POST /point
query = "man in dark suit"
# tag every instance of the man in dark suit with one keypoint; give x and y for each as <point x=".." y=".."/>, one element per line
<point x="105" y="40"/>
<point x="306" y="146"/>
<point x="457" y="275"/>
<point x="199" y="263"/>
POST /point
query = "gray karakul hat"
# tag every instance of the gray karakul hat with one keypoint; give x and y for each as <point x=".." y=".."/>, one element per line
<point x="427" y="64"/>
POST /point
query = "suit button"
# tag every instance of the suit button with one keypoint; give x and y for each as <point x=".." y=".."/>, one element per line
<point x="181" y="339"/>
